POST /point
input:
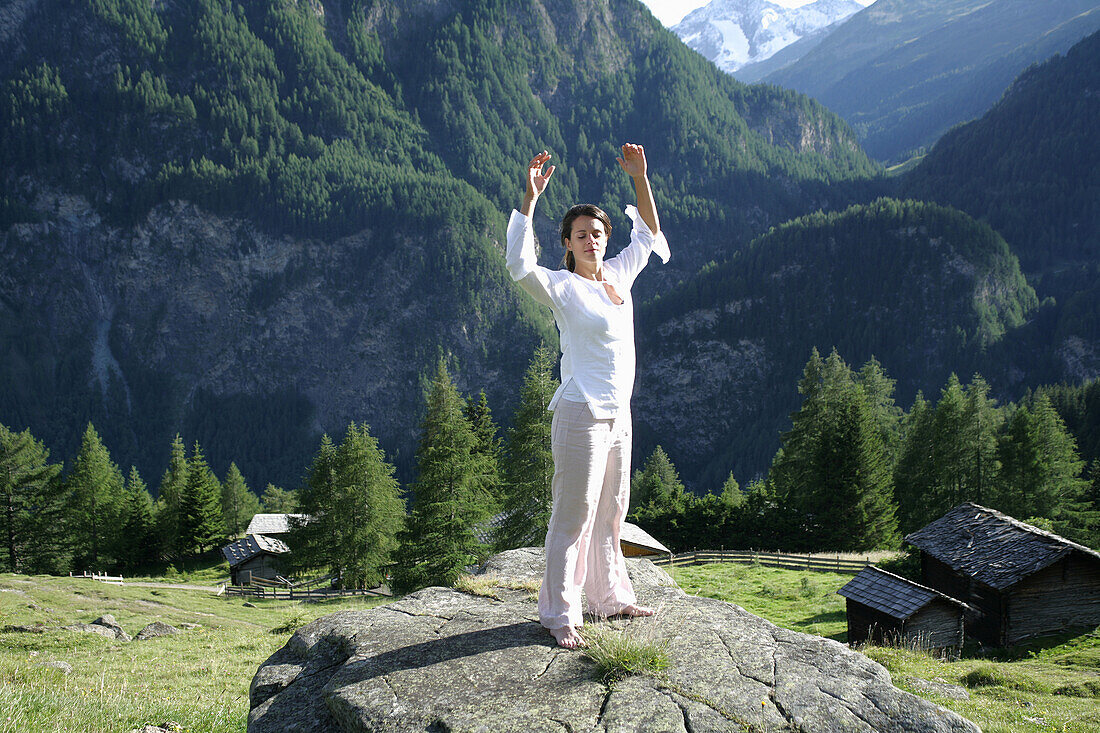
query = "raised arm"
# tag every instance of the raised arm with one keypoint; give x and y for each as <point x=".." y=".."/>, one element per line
<point x="536" y="182"/>
<point x="634" y="163"/>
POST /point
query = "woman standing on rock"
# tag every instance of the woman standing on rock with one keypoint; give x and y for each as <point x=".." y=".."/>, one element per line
<point x="590" y="432"/>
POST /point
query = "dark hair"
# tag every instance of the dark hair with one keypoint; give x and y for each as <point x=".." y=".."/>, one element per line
<point x="567" y="228"/>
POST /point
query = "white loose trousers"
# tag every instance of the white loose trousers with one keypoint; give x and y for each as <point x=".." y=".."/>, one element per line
<point x="591" y="494"/>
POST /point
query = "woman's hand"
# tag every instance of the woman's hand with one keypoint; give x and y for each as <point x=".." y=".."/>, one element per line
<point x="536" y="177"/>
<point x="633" y="160"/>
<point x="536" y="182"/>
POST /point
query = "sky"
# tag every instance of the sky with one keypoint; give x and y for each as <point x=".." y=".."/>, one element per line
<point x="671" y="12"/>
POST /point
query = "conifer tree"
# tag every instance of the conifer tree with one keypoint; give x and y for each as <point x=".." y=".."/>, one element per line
<point x="527" y="468"/>
<point x="200" y="506"/>
<point x="1041" y="471"/>
<point x="878" y="388"/>
<point x="831" y="472"/>
<point x="354" y="511"/>
<point x="656" y="488"/>
<point x="239" y="504"/>
<point x="488" y="444"/>
<point x="915" y="477"/>
<point x="451" y="498"/>
<point x="32" y="506"/>
<point x="168" y="506"/>
<point x="139" y="539"/>
<point x="95" y="488"/>
<point x="276" y="500"/>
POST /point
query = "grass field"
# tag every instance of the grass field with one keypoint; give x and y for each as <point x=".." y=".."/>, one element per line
<point x="1049" y="685"/>
<point x="198" y="679"/>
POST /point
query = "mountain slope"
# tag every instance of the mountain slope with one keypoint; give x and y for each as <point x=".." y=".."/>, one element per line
<point x="904" y="71"/>
<point x="922" y="288"/>
<point x="251" y="222"/>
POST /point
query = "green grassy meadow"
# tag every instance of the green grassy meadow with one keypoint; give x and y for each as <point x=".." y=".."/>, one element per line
<point x="199" y="679"/>
<point x="1051" y="684"/>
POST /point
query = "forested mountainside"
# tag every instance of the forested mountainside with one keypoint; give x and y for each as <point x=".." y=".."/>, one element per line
<point x="903" y="72"/>
<point x="1031" y="168"/>
<point x="252" y="222"/>
<point x="1031" y="165"/>
<point x="922" y="288"/>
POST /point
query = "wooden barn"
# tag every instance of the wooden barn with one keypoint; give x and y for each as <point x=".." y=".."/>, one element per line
<point x="887" y="608"/>
<point x="1023" y="581"/>
<point x="254" y="556"/>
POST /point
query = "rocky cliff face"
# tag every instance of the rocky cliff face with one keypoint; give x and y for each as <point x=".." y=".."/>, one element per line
<point x="187" y="319"/>
<point x="443" y="660"/>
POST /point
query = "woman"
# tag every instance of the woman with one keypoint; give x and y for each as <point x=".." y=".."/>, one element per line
<point x="590" y="432"/>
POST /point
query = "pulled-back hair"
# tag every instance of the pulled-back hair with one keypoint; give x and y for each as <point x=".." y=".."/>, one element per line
<point x="567" y="228"/>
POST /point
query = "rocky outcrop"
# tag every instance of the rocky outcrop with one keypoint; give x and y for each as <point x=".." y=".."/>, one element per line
<point x="440" y="659"/>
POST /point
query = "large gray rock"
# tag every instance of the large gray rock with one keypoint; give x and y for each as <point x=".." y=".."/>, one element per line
<point x="108" y="621"/>
<point x="439" y="659"/>
<point x="155" y="629"/>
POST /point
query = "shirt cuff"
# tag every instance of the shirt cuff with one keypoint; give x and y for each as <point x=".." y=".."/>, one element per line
<point x="658" y="243"/>
<point x="520" y="256"/>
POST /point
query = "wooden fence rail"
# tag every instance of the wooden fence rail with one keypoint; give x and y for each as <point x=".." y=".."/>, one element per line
<point x="820" y="563"/>
<point x="284" y="593"/>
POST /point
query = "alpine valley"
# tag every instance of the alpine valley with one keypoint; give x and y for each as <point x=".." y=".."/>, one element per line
<point x="254" y="222"/>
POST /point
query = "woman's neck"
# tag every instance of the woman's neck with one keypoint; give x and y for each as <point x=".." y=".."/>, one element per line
<point x="588" y="272"/>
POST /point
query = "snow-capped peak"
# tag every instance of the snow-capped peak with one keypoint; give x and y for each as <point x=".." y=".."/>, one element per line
<point x="733" y="33"/>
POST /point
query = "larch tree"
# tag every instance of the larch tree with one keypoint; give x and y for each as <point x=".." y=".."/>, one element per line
<point x="354" y="511"/>
<point x="168" y="506"/>
<point x="527" y="467"/>
<point x="95" y="488"/>
<point x="239" y="504"/>
<point x="276" y="500"/>
<point x="1040" y="467"/>
<point x="451" y="498"/>
<point x="32" y="506"/>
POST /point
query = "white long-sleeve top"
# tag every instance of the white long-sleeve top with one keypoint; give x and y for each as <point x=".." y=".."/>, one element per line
<point x="597" y="336"/>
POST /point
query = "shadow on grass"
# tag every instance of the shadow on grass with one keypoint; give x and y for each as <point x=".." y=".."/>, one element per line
<point x="1029" y="648"/>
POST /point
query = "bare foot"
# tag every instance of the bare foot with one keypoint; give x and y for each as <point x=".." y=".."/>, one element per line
<point x="567" y="637"/>
<point x="633" y="610"/>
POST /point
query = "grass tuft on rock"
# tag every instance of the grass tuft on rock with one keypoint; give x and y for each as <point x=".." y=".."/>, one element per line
<point x="620" y="653"/>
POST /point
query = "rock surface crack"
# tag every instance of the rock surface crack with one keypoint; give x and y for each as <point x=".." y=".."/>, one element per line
<point x="553" y="658"/>
<point x="848" y="706"/>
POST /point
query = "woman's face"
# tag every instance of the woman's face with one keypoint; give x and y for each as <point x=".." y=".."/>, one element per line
<point x="587" y="242"/>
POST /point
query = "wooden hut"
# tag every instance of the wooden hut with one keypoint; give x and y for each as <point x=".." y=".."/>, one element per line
<point x="254" y="556"/>
<point x="1023" y="581"/>
<point x="887" y="608"/>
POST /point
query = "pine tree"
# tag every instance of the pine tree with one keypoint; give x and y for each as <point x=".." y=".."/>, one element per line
<point x="527" y="468"/>
<point x="167" y="509"/>
<point x="878" y="389"/>
<point x="981" y="423"/>
<point x="95" y="491"/>
<point x="200" y="505"/>
<point x="32" y="506"/>
<point x="239" y="504"/>
<point x="450" y="495"/>
<point x="354" y="511"/>
<point x="139" y="539"/>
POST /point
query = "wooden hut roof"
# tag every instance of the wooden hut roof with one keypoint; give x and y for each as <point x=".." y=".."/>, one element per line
<point x="892" y="594"/>
<point x="271" y="523"/>
<point x="250" y="546"/>
<point x="991" y="547"/>
<point x="632" y="534"/>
